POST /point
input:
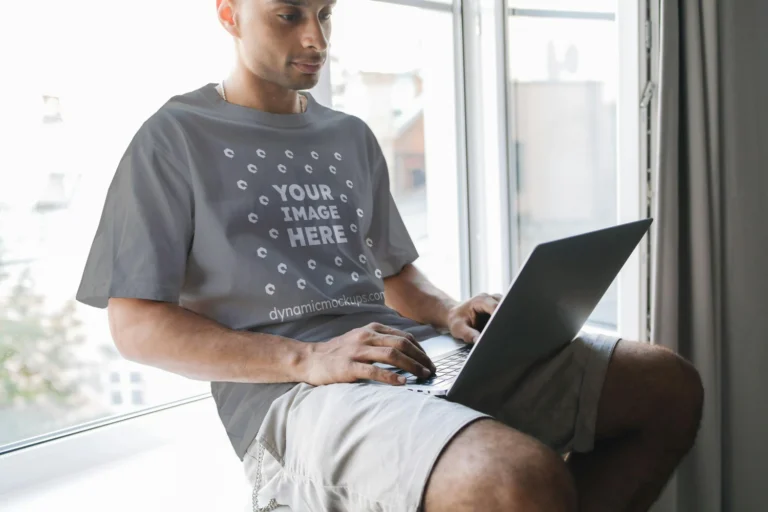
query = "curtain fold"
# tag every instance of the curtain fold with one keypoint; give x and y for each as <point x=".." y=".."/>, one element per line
<point x="712" y="224"/>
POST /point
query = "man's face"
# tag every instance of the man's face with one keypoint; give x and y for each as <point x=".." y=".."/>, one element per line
<point x="282" y="41"/>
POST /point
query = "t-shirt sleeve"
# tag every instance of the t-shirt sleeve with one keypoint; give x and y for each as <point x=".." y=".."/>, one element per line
<point x="143" y="237"/>
<point x="392" y="247"/>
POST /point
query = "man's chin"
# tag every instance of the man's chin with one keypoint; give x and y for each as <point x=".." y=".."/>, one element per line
<point x="304" y="83"/>
<point x="301" y="81"/>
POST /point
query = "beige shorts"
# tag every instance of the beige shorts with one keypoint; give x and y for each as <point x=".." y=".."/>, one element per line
<point x="363" y="447"/>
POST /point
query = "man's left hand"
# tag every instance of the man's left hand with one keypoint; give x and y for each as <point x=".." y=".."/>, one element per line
<point x="463" y="318"/>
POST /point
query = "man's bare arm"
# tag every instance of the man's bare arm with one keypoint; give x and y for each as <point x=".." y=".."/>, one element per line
<point x="172" y="338"/>
<point x="412" y="295"/>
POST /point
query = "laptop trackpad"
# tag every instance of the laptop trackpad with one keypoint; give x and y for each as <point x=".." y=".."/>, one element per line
<point x="435" y="347"/>
<point x="440" y="345"/>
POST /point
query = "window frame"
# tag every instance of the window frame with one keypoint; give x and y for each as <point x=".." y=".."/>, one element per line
<point x="639" y="143"/>
<point x="633" y="193"/>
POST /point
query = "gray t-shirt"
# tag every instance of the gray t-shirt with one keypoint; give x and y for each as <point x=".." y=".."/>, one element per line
<point x="275" y="223"/>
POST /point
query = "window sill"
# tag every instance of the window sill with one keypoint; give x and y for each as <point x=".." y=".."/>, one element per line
<point x="177" y="458"/>
<point x="593" y="329"/>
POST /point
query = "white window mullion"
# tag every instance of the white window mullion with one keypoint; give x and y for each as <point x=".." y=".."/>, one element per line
<point x="631" y="163"/>
<point x="487" y="145"/>
<point x="463" y="37"/>
<point x="650" y="127"/>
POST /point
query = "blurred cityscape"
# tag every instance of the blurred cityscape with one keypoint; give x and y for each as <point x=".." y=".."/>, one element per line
<point x="59" y="366"/>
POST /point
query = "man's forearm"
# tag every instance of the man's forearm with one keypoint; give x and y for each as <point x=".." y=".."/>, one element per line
<point x="172" y="338"/>
<point x="412" y="295"/>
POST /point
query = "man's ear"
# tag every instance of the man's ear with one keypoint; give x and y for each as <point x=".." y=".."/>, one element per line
<point x="226" y="12"/>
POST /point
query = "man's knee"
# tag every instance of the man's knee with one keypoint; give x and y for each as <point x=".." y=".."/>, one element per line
<point x="492" y="467"/>
<point x="674" y="397"/>
<point x="651" y="388"/>
<point x="688" y="398"/>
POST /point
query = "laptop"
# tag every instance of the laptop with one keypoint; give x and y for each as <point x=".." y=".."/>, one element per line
<point x="544" y="309"/>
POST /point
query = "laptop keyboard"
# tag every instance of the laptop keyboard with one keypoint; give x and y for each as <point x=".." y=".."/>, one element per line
<point x="447" y="369"/>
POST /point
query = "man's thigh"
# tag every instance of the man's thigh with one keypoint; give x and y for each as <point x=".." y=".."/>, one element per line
<point x="355" y="447"/>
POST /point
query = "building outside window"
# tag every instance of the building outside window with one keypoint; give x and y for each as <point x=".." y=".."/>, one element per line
<point x="562" y="91"/>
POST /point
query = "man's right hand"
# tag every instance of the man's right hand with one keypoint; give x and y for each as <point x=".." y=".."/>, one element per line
<point x="350" y="357"/>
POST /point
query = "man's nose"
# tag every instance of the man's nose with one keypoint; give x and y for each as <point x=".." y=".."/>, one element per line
<point x="314" y="36"/>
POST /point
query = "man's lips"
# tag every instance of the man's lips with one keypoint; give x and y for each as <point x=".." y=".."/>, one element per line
<point x="309" y="67"/>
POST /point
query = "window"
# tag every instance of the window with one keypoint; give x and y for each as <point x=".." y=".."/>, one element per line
<point x="542" y="94"/>
<point x="418" y="178"/>
<point x="404" y="88"/>
<point x="51" y="109"/>
<point x="74" y="97"/>
<point x="563" y="88"/>
<point x="137" y="397"/>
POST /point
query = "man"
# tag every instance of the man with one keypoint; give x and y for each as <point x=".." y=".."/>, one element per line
<point x="249" y="238"/>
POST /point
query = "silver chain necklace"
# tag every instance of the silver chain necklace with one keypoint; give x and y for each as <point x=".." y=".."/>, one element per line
<point x="223" y="93"/>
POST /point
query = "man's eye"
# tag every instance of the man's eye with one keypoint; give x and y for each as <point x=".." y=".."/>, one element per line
<point x="289" y="17"/>
<point x="326" y="16"/>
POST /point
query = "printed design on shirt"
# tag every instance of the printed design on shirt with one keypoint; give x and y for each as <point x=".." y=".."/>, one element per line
<point x="301" y="202"/>
<point x="298" y="203"/>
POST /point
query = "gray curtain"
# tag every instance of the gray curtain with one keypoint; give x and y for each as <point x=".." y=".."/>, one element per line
<point x="711" y="291"/>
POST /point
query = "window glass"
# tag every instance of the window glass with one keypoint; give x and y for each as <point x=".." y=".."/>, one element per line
<point x="72" y="96"/>
<point x="562" y="93"/>
<point x="403" y="87"/>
